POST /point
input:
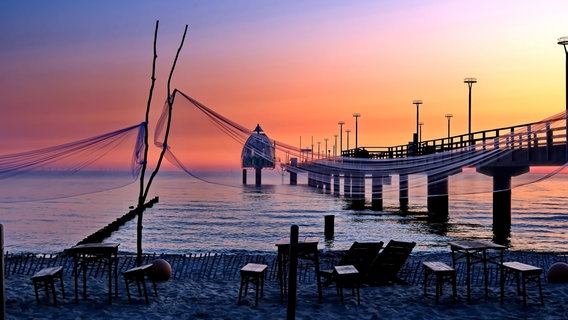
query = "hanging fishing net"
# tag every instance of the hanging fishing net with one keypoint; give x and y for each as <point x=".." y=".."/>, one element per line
<point x="95" y="164"/>
<point x="197" y="131"/>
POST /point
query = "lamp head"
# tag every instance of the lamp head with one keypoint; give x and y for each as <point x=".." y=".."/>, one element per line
<point x="417" y="102"/>
<point x="563" y="41"/>
<point x="469" y="80"/>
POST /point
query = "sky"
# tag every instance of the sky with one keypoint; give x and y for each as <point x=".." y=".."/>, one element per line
<point x="73" y="69"/>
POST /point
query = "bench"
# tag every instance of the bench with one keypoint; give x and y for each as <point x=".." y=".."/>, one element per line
<point x="347" y="275"/>
<point x="45" y="278"/>
<point x="138" y="275"/>
<point x="527" y="274"/>
<point x="444" y="273"/>
<point x="252" y="273"/>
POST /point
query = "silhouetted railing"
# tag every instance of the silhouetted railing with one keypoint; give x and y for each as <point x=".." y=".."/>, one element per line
<point x="531" y="135"/>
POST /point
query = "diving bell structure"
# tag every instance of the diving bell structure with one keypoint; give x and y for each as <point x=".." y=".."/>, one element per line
<point x="258" y="153"/>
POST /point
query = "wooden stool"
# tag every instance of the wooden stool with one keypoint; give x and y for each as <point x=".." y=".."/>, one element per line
<point x="347" y="275"/>
<point x="252" y="273"/>
<point x="138" y="275"/>
<point x="444" y="273"/>
<point x="45" y="279"/>
<point x="528" y="274"/>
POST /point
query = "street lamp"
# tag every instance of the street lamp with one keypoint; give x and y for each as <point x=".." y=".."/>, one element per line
<point x="417" y="103"/>
<point x="470" y="82"/>
<point x="319" y="149"/>
<point x="449" y="116"/>
<point x="420" y="132"/>
<point x="564" y="41"/>
<point x="341" y="123"/>
<point x="347" y="131"/>
<point x="335" y="146"/>
<point x="356" y="115"/>
<point x="326" y="146"/>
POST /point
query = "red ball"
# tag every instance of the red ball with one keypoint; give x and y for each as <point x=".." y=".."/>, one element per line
<point x="160" y="271"/>
<point x="558" y="273"/>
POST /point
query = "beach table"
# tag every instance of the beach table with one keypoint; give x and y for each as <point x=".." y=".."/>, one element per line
<point x="477" y="252"/>
<point x="307" y="250"/>
<point x="84" y="254"/>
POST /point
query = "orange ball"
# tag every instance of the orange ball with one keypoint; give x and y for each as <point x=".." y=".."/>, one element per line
<point x="160" y="271"/>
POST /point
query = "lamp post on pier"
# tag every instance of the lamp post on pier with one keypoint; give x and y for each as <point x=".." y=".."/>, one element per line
<point x="469" y="82"/>
<point x="347" y="131"/>
<point x="356" y="115"/>
<point x="341" y="123"/>
<point x="420" y="132"/>
<point x="326" y="155"/>
<point x="449" y="117"/>
<point x="335" y="146"/>
<point x="563" y="41"/>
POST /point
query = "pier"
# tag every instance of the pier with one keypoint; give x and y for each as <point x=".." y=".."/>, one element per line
<point x="501" y="154"/>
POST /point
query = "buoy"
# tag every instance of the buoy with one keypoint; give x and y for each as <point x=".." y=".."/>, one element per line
<point x="161" y="270"/>
<point x="558" y="273"/>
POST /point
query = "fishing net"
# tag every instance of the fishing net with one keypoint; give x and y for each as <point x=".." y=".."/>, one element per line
<point x="199" y="131"/>
<point x="95" y="164"/>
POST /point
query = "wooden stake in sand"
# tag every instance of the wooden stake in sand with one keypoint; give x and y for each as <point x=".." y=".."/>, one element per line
<point x="2" y="296"/>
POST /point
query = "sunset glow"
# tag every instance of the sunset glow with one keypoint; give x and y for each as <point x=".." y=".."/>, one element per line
<point x="73" y="69"/>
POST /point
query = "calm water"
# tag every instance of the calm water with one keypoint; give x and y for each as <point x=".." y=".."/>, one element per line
<point x="194" y="216"/>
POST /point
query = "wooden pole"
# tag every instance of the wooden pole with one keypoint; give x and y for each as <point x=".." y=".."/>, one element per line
<point x="2" y="296"/>
<point x="293" y="271"/>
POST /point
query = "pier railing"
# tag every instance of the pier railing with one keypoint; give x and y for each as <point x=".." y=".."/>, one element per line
<point x="531" y="135"/>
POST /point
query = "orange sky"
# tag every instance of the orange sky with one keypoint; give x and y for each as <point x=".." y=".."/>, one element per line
<point x="74" y="69"/>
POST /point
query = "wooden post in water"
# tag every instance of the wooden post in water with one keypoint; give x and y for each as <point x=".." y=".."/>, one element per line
<point x="2" y="296"/>
<point x="292" y="273"/>
<point x="328" y="227"/>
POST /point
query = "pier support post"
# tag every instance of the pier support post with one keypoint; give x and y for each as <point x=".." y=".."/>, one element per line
<point x="347" y="185"/>
<point x="326" y="183"/>
<point x="502" y="198"/>
<point x="244" y="176"/>
<point x="258" y="176"/>
<point x="293" y="178"/>
<point x="336" y="184"/>
<point x="377" y="192"/>
<point x="403" y="192"/>
<point x="358" y="191"/>
<point x="438" y="197"/>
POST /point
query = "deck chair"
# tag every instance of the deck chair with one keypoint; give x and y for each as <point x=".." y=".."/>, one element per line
<point x="360" y="255"/>
<point x="386" y="265"/>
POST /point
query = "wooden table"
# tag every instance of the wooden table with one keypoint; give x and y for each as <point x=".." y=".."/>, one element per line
<point x="92" y="253"/>
<point x="477" y="252"/>
<point x="307" y="250"/>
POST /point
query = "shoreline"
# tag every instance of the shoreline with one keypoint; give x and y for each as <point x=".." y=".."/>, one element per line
<point x="205" y="286"/>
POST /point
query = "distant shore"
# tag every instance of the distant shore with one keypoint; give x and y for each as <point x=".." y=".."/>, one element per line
<point x="205" y="286"/>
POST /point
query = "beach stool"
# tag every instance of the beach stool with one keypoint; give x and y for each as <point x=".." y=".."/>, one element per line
<point x="252" y="273"/>
<point x="524" y="272"/>
<point x="347" y="275"/>
<point x="138" y="275"/>
<point x="444" y="273"/>
<point x="45" y="278"/>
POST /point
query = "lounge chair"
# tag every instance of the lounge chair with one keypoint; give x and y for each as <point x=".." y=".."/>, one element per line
<point x="360" y="255"/>
<point x="386" y="265"/>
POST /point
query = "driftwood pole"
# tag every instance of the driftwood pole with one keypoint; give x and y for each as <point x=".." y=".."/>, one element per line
<point x="144" y="193"/>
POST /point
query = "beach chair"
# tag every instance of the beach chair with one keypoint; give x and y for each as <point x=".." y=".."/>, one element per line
<point x="360" y="255"/>
<point x="386" y="265"/>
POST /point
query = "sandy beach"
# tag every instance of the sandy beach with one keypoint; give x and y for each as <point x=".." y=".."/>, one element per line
<point x="207" y="288"/>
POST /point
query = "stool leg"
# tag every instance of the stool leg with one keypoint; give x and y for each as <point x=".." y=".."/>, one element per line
<point x="62" y="287"/>
<point x="52" y="283"/>
<point x="454" y="288"/>
<point x="540" y="290"/>
<point x="241" y="288"/>
<point x="257" y="283"/>
<point x="127" y="290"/>
<point x="425" y="281"/>
<point x="524" y="290"/>
<point x="36" y="289"/>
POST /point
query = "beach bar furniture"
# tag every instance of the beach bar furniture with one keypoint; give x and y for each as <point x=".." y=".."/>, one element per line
<point x="524" y="274"/>
<point x="45" y="278"/>
<point x="443" y="273"/>
<point x="139" y="275"/>
<point x="387" y="264"/>
<point x="477" y="252"/>
<point x="93" y="254"/>
<point x="307" y="250"/>
<point x="252" y="273"/>
<point x="347" y="276"/>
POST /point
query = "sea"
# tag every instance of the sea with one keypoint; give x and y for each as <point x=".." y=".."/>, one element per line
<point x="217" y="213"/>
